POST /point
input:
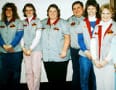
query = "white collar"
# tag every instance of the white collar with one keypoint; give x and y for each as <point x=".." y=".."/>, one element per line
<point x="93" y="18"/>
<point x="106" y="23"/>
<point x="29" y="18"/>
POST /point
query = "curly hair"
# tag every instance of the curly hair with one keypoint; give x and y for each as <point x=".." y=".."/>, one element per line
<point x="14" y="10"/>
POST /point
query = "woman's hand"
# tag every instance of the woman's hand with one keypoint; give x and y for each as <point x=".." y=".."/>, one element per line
<point x="103" y="63"/>
<point x="63" y="54"/>
<point x="26" y="52"/>
<point x="97" y="63"/>
<point x="88" y="54"/>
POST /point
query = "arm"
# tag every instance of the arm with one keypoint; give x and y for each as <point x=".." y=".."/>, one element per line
<point x="36" y="39"/>
<point x="18" y="35"/>
<point x="22" y="43"/>
<point x="22" y="46"/>
<point x="2" y="44"/>
<point x="81" y="42"/>
<point x="66" y="45"/>
<point x="17" y="38"/>
<point x="1" y="41"/>
<point x="83" y="46"/>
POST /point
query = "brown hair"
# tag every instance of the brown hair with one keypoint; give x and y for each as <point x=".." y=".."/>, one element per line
<point x="54" y="6"/>
<point x="29" y="5"/>
<point x="14" y="10"/>
<point x="107" y="6"/>
<point x="92" y="3"/>
<point x="77" y="2"/>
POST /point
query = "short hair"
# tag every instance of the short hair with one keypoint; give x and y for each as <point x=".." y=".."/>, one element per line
<point x="77" y="2"/>
<point x="54" y="6"/>
<point x="29" y="5"/>
<point x="107" y="6"/>
<point x="14" y="10"/>
<point x="92" y="3"/>
<point x="111" y="9"/>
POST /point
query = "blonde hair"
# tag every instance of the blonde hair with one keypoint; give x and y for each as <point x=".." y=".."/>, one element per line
<point x="107" y="6"/>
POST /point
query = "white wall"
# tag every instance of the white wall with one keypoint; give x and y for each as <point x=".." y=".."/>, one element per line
<point x="41" y="7"/>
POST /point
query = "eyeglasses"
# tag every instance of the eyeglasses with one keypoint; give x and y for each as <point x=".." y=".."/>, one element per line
<point x="28" y="10"/>
<point x="105" y="13"/>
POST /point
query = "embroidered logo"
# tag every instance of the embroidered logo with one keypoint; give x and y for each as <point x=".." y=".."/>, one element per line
<point x="42" y="28"/>
<point x="73" y="23"/>
<point x="24" y="25"/>
<point x="56" y="28"/>
<point x="2" y="26"/>
<point x="12" y="26"/>
<point x="34" y="24"/>
<point x="96" y="33"/>
<point x="110" y="32"/>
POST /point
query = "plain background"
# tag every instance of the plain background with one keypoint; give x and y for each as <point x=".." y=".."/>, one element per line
<point x="41" y="10"/>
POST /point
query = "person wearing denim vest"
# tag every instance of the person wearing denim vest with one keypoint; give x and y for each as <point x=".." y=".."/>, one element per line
<point x="11" y="32"/>
<point x="31" y="46"/>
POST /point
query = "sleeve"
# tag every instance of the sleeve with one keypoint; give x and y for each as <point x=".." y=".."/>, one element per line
<point x="93" y="45"/>
<point x="113" y="49"/>
<point x="22" y="42"/>
<point x="81" y="42"/>
<point x="18" y="35"/>
<point x="69" y="27"/>
<point x="1" y="41"/>
<point x="65" y="27"/>
<point x="37" y="36"/>
<point x="109" y="57"/>
<point x="93" y="48"/>
<point x="112" y="52"/>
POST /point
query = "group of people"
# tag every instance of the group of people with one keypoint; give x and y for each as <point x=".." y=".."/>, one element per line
<point x="87" y="38"/>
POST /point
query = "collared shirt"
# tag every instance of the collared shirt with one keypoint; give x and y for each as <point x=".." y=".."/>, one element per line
<point x="74" y="23"/>
<point x="53" y="40"/>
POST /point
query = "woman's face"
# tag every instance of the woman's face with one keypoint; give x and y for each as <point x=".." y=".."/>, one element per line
<point x="77" y="10"/>
<point x="9" y="12"/>
<point x="106" y="15"/>
<point x="91" y="10"/>
<point x="52" y="13"/>
<point x="29" y="12"/>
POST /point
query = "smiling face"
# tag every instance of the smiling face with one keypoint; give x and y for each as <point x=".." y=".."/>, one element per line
<point x="53" y="13"/>
<point x="77" y="10"/>
<point x="91" y="10"/>
<point x="106" y="15"/>
<point x="29" y="12"/>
